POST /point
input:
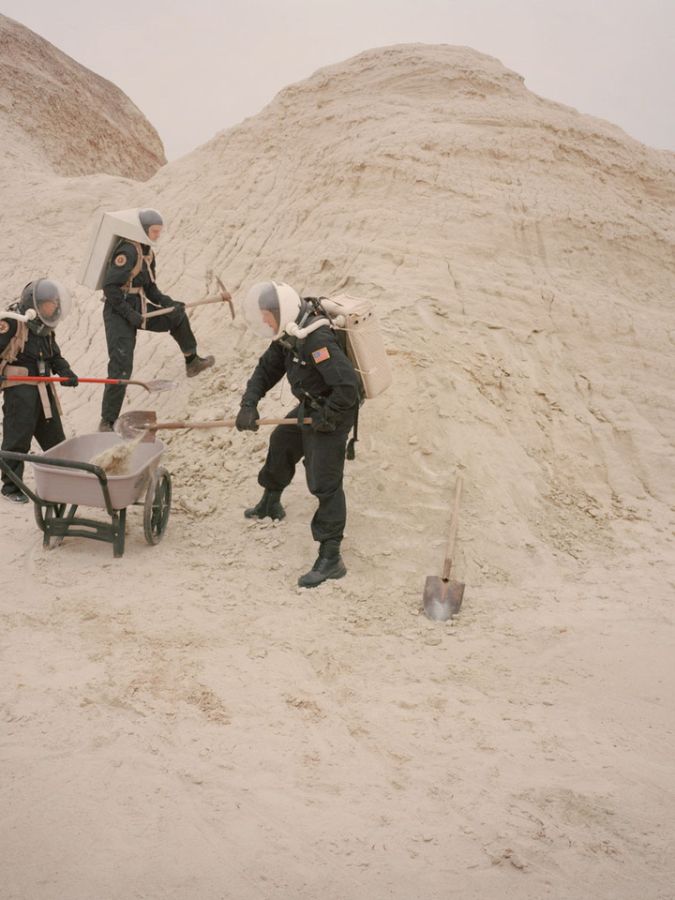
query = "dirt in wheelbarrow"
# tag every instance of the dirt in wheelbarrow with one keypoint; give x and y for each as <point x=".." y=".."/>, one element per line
<point x="116" y="460"/>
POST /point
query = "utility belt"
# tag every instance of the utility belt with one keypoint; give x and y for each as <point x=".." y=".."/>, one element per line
<point x="43" y="389"/>
<point x="309" y="402"/>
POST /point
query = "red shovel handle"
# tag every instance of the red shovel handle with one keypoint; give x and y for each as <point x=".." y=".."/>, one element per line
<point x="58" y="378"/>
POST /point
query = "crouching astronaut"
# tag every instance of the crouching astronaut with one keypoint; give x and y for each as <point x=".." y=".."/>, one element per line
<point x="326" y="386"/>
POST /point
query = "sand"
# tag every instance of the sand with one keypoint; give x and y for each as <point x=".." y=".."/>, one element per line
<point x="185" y="722"/>
<point x="117" y="460"/>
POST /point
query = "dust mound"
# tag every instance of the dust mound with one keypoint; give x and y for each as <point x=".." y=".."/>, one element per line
<point x="520" y="259"/>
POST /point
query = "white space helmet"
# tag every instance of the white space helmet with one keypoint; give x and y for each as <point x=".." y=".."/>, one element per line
<point x="50" y="300"/>
<point x="269" y="307"/>
<point x="148" y="218"/>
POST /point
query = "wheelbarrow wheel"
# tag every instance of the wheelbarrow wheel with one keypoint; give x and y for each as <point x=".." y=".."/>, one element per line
<point x="157" y="506"/>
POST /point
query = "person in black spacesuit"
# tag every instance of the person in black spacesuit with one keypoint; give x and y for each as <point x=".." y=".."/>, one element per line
<point x="30" y="348"/>
<point x="130" y="292"/>
<point x="323" y="380"/>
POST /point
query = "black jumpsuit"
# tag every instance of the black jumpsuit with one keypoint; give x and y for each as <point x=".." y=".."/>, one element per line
<point x="122" y="318"/>
<point x="23" y="415"/>
<point x="320" y="374"/>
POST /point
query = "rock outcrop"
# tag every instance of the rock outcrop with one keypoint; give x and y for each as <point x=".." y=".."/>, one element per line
<point x="55" y="110"/>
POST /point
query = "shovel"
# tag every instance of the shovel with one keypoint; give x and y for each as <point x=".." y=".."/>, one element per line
<point x="131" y="424"/>
<point x="154" y="386"/>
<point x="442" y="597"/>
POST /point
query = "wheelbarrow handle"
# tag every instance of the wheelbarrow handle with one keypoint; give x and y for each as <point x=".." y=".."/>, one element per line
<point x="7" y="455"/>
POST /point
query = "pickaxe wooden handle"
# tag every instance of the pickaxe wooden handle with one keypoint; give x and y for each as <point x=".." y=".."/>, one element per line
<point x="223" y="297"/>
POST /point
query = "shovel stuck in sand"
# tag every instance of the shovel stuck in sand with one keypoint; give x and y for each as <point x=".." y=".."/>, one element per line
<point x="442" y="597"/>
<point x="131" y="424"/>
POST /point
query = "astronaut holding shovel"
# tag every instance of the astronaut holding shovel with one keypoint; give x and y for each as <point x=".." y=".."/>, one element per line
<point x="28" y="347"/>
<point x="325" y="384"/>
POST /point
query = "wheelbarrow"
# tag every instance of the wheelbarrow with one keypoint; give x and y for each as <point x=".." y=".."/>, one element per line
<point x="65" y="480"/>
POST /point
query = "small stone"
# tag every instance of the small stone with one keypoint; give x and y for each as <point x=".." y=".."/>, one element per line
<point x="432" y="639"/>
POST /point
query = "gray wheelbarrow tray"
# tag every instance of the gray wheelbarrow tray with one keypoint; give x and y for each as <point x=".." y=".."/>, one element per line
<point x="64" y="476"/>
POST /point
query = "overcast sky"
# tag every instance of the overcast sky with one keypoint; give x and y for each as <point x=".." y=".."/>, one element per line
<point x="195" y="67"/>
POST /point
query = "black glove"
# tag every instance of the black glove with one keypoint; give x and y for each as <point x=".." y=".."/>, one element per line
<point x="72" y="381"/>
<point x="133" y="317"/>
<point x="247" y="420"/>
<point x="325" y="419"/>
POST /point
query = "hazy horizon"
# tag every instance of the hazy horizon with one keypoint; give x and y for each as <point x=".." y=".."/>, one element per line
<point x="197" y="69"/>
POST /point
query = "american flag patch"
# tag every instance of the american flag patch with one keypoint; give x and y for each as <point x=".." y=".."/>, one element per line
<point x="320" y="355"/>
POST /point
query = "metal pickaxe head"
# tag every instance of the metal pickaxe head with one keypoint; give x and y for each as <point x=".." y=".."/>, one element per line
<point x="227" y="297"/>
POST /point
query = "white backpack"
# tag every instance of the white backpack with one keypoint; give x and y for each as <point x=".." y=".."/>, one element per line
<point x="355" y="319"/>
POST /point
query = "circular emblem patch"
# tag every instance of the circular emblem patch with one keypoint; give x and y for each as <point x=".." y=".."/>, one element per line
<point x="4" y="326"/>
<point x="120" y="260"/>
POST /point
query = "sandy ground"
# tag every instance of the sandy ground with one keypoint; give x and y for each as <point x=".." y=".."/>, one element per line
<point x="184" y="722"/>
<point x="176" y="726"/>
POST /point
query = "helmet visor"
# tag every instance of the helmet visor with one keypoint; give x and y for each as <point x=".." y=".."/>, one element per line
<point x="150" y="218"/>
<point x="51" y="301"/>
<point x="262" y="311"/>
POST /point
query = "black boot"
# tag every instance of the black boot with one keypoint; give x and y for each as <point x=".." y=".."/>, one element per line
<point x="269" y="505"/>
<point x="9" y="492"/>
<point x="328" y="564"/>
<point x="196" y="364"/>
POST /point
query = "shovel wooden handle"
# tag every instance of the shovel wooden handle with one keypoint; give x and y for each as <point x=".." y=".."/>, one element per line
<point x="222" y="423"/>
<point x="447" y="563"/>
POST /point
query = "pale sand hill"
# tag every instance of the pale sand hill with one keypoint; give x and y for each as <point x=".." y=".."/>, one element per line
<point x="201" y="727"/>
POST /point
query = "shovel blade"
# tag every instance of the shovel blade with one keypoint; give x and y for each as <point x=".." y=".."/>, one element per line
<point x="442" y="599"/>
<point x="161" y="384"/>
<point x="131" y="424"/>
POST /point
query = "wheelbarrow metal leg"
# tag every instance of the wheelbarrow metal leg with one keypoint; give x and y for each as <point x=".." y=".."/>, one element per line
<point x="119" y="521"/>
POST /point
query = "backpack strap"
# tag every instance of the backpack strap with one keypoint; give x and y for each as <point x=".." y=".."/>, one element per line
<point x="14" y="346"/>
<point x="351" y="443"/>
<point x="138" y="265"/>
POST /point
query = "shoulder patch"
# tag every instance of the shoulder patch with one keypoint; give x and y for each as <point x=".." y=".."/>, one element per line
<point x="4" y="326"/>
<point x="120" y="259"/>
<point x="320" y="355"/>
